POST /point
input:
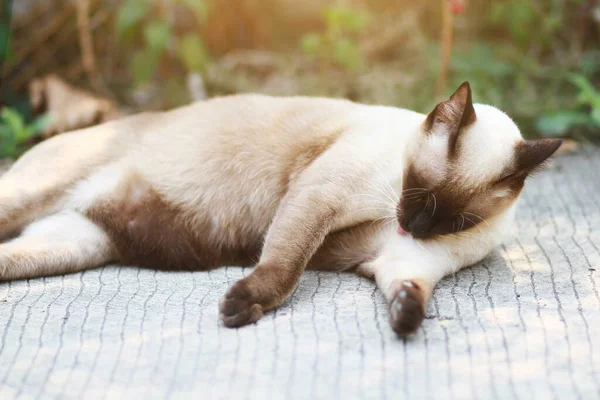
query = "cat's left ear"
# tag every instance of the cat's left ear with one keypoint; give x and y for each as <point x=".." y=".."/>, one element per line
<point x="531" y="155"/>
<point x="452" y="115"/>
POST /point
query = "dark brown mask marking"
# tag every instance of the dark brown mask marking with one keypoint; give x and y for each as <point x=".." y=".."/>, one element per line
<point x="427" y="210"/>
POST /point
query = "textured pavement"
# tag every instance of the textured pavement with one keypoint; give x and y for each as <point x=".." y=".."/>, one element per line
<point x="525" y="323"/>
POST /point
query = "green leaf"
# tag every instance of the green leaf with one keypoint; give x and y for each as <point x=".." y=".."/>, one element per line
<point x="200" y="8"/>
<point x="311" y="43"/>
<point x="590" y="62"/>
<point x="14" y="121"/>
<point x="130" y="14"/>
<point x="156" y="35"/>
<point x="342" y="17"/>
<point x="143" y="65"/>
<point x="587" y="95"/>
<point x="37" y="126"/>
<point x="595" y="117"/>
<point x="332" y="17"/>
<point x="355" y="21"/>
<point x="347" y="53"/>
<point x="560" y="122"/>
<point x="497" y="11"/>
<point x="192" y="53"/>
<point x="8" y="144"/>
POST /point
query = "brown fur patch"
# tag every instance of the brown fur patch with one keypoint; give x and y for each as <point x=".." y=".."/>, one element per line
<point x="304" y="154"/>
<point x="531" y="155"/>
<point x="149" y="232"/>
<point x="347" y="248"/>
<point x="407" y="309"/>
<point x="450" y="207"/>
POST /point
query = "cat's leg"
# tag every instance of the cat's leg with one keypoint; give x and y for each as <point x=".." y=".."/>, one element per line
<point x="58" y="244"/>
<point x="407" y="287"/>
<point x="298" y="229"/>
<point x="38" y="183"/>
<point x="22" y="201"/>
<point x="407" y="270"/>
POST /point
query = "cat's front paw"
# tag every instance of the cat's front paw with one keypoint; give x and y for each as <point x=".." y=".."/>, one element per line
<point x="407" y="309"/>
<point x="240" y="305"/>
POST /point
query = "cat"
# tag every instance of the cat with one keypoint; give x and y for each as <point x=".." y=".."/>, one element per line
<point x="283" y="183"/>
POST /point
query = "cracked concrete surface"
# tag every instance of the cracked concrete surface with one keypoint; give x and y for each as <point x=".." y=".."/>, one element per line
<point x="525" y="323"/>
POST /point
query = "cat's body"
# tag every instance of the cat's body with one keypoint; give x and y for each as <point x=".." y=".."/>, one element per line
<point x="283" y="183"/>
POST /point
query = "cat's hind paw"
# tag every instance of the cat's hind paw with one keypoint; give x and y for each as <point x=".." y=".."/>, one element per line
<point x="407" y="309"/>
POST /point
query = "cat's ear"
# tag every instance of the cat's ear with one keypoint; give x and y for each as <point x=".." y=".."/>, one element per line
<point x="530" y="155"/>
<point x="450" y="116"/>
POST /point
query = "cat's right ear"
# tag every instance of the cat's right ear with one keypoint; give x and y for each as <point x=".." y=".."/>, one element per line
<point x="452" y="115"/>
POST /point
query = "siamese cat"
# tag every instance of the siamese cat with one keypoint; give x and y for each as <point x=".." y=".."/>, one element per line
<point x="283" y="183"/>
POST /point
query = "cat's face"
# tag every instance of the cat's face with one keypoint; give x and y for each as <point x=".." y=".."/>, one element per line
<point x="468" y="166"/>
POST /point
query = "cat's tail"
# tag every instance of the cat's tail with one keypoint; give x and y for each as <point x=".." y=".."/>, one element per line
<point x="38" y="183"/>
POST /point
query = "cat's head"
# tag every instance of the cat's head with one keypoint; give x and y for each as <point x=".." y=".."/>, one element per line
<point x="468" y="165"/>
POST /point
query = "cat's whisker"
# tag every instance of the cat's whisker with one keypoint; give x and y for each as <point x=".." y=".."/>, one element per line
<point x="393" y="195"/>
<point x="379" y="189"/>
<point x="391" y="221"/>
<point x="379" y="219"/>
<point x="462" y="223"/>
<point x="386" y="224"/>
<point x="383" y="190"/>
<point x="427" y="204"/>
<point x="479" y="217"/>
<point x="414" y="195"/>
<point x="474" y="224"/>
<point x="418" y="242"/>
<point x="434" y="205"/>
<point x="413" y="199"/>
<point x="379" y="199"/>
<point x="376" y="209"/>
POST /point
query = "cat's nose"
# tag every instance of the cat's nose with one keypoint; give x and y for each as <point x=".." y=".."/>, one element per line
<point x="420" y="225"/>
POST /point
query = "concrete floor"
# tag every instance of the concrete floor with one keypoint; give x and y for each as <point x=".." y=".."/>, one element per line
<point x="525" y="323"/>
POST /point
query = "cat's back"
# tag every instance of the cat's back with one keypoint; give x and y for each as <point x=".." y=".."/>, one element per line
<point x="248" y="137"/>
<point x="254" y="118"/>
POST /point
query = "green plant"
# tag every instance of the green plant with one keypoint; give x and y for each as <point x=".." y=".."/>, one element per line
<point x="586" y="114"/>
<point x="158" y="44"/>
<point x="15" y="132"/>
<point x="338" y="41"/>
<point x="528" y="22"/>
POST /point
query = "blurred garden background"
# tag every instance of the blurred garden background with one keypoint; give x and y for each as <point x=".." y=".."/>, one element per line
<point x="71" y="63"/>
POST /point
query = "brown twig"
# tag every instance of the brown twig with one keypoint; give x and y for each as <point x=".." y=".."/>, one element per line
<point x="86" y="43"/>
<point x="55" y="25"/>
<point x="44" y="59"/>
<point x="445" y="48"/>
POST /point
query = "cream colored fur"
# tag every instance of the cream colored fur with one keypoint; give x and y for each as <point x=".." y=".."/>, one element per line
<point x="238" y="162"/>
